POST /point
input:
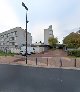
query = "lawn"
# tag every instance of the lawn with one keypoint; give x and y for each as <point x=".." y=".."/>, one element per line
<point x="6" y="54"/>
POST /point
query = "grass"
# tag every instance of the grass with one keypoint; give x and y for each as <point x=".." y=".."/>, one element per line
<point x="73" y="57"/>
<point x="6" y="54"/>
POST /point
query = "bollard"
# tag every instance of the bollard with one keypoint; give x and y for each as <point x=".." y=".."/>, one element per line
<point x="36" y="61"/>
<point x="47" y="61"/>
<point x="75" y="63"/>
<point x="60" y="62"/>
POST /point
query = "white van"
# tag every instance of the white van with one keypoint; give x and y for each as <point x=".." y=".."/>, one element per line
<point x="23" y="50"/>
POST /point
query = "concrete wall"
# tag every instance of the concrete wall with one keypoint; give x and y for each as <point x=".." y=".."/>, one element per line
<point x="14" y="50"/>
<point x="38" y="49"/>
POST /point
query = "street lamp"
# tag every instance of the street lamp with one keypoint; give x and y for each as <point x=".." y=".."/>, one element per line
<point x="26" y="27"/>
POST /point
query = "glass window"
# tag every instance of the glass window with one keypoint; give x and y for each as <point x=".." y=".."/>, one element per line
<point x="15" y="32"/>
<point x="13" y="43"/>
<point x="2" y="36"/>
<point x="8" y="34"/>
<point x="11" y="38"/>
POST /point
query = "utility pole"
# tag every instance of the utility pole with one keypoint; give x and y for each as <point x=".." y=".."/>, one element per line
<point x="26" y="27"/>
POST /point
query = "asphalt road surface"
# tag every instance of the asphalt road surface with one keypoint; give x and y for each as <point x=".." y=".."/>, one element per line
<point x="16" y="78"/>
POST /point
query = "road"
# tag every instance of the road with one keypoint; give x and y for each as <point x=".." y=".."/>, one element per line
<point x="16" y="78"/>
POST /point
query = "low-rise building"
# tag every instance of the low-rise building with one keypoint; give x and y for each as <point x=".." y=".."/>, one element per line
<point x="40" y="47"/>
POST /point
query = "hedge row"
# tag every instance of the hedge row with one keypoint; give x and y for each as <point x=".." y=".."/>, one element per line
<point x="74" y="53"/>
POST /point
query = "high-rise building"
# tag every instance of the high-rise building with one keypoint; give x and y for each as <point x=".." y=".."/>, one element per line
<point x="48" y="33"/>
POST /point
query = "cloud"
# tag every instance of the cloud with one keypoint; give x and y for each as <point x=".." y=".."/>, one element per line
<point x="63" y="15"/>
<point x="38" y="30"/>
<point x="8" y="18"/>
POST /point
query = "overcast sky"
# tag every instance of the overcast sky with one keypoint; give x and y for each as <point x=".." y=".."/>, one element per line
<point x="63" y="15"/>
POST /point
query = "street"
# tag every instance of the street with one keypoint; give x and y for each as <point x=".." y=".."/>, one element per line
<point x="16" y="78"/>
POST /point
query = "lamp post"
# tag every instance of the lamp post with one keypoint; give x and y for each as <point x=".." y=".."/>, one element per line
<point x="26" y="27"/>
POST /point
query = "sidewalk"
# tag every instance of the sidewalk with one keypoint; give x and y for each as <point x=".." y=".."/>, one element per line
<point x="53" y="62"/>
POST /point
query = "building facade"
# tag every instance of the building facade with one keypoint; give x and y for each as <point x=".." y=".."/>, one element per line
<point x="14" y="39"/>
<point x="40" y="47"/>
<point x="78" y="30"/>
<point x="48" y="33"/>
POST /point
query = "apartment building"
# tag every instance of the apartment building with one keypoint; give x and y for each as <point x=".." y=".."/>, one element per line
<point x="14" y="39"/>
<point x="47" y="33"/>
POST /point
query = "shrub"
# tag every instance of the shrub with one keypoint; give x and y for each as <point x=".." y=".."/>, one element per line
<point x="2" y="53"/>
<point x="74" y="53"/>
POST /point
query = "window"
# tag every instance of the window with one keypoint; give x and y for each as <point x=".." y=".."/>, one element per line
<point x="8" y="34"/>
<point x="16" y="46"/>
<point x="7" y="42"/>
<point x="11" y="38"/>
<point x="16" y="43"/>
<point x="2" y="36"/>
<point x="12" y="43"/>
<point x="11" y="33"/>
<point x="15" y="32"/>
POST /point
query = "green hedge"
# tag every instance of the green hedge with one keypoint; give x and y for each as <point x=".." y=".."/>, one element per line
<point x="74" y="53"/>
<point x="6" y="54"/>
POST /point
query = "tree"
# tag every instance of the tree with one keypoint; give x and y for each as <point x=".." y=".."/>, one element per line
<point x="72" y="40"/>
<point x="52" y="41"/>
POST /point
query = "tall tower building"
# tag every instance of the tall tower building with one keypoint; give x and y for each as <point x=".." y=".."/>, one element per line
<point x="48" y="33"/>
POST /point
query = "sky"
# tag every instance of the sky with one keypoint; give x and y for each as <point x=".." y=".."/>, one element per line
<point x="63" y="15"/>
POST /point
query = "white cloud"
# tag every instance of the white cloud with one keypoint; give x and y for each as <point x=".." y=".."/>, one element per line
<point x="63" y="24"/>
<point x="66" y="19"/>
<point x="8" y="18"/>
